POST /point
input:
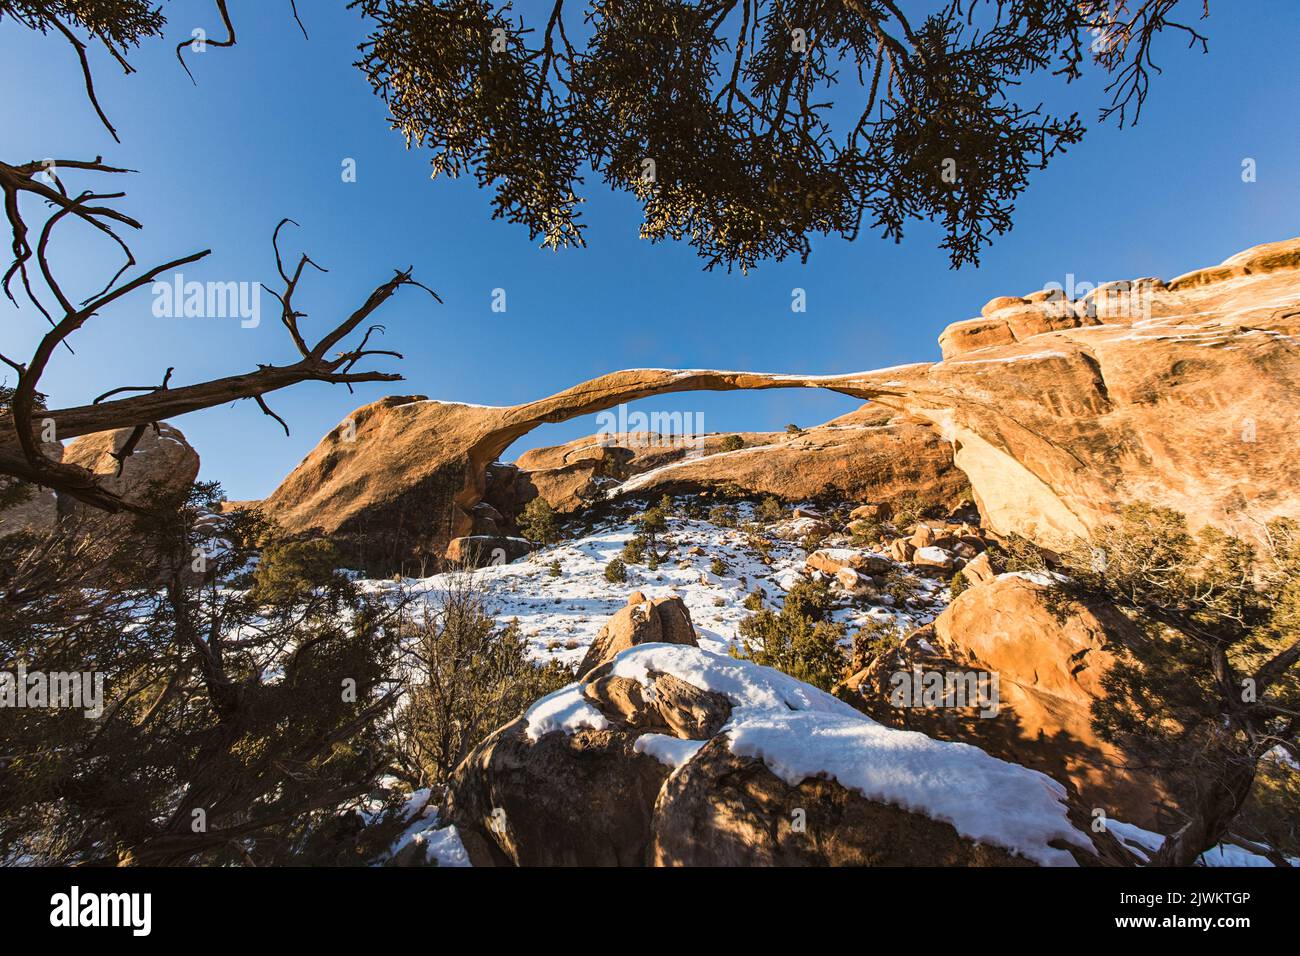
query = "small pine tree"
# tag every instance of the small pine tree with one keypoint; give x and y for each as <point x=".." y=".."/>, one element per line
<point x="554" y="569"/>
<point x="957" y="584"/>
<point x="616" y="572"/>
<point x="724" y="516"/>
<point x="718" y="567"/>
<point x="538" y="522"/>
<point x="634" y="550"/>
<point x="769" y="510"/>
<point x="799" y="640"/>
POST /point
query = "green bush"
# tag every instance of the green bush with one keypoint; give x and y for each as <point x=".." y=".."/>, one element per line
<point x="799" y="640"/>
<point x="553" y="569"/>
<point x="957" y="584"/>
<point x="634" y="550"/>
<point x="289" y="573"/>
<point x="754" y="600"/>
<point x="718" y="567"/>
<point x="733" y="443"/>
<point x="724" y="516"/>
<point x="769" y="510"/>
<point x="470" y="677"/>
<point x="538" y="522"/>
<point x="616" y="571"/>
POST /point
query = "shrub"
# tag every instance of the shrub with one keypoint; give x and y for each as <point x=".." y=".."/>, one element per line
<point x="769" y="510"/>
<point x="957" y="584"/>
<point x="718" y="567"/>
<point x="733" y="443"/>
<point x="793" y="429"/>
<point x="724" y="516"/>
<point x="267" y="716"/>
<point x="797" y="640"/>
<point x="288" y="573"/>
<point x="901" y="586"/>
<point x="553" y="569"/>
<point x="872" y="640"/>
<point x="634" y="549"/>
<point x="1212" y="688"/>
<point x="652" y="523"/>
<point x="616" y="571"/>
<point x="754" y="600"/>
<point x="468" y="677"/>
<point x="538" y="522"/>
<point x="666" y="506"/>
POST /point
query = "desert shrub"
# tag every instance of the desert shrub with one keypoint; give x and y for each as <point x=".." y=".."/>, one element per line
<point x="261" y="718"/>
<point x="754" y="600"/>
<point x="1210" y="691"/>
<point x="1016" y="554"/>
<point x="718" y="567"/>
<point x="874" y="639"/>
<point x="652" y="522"/>
<point x="733" y="443"/>
<point x="797" y="640"/>
<point x="666" y="506"/>
<point x="759" y="543"/>
<point x="900" y="585"/>
<point x="957" y="584"/>
<point x="466" y="677"/>
<point x="553" y="569"/>
<point x="288" y="573"/>
<point x="724" y="516"/>
<point x="652" y="560"/>
<point x="538" y="522"/>
<point x="906" y="510"/>
<point x="616" y="571"/>
<point x="793" y="429"/>
<point x="769" y="510"/>
<point x="634" y="549"/>
<point x="813" y="540"/>
<point x="865" y="533"/>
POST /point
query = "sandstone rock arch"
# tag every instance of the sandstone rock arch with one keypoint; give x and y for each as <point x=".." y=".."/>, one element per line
<point x="1180" y="393"/>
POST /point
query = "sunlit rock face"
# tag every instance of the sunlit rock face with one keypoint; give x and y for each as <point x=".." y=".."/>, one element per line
<point x="1178" y="393"/>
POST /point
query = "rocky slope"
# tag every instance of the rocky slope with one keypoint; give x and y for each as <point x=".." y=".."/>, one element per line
<point x="1176" y="393"/>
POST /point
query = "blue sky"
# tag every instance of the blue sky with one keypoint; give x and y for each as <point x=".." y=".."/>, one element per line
<point x="264" y="134"/>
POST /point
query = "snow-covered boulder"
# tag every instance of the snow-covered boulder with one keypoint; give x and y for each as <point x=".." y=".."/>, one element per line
<point x="672" y="754"/>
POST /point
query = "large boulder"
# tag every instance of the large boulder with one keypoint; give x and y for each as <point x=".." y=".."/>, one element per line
<point x="667" y="754"/>
<point x="1050" y="655"/>
<point x="660" y="621"/>
<point x="162" y="463"/>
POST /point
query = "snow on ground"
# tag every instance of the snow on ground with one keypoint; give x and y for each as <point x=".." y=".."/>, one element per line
<point x="442" y="846"/>
<point x="560" y="616"/>
<point x="1145" y="843"/>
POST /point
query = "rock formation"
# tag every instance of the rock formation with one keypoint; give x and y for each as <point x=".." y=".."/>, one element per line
<point x="1176" y="393"/>
<point x="162" y="464"/>
<point x="667" y="754"/>
<point x="1050" y="655"/>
